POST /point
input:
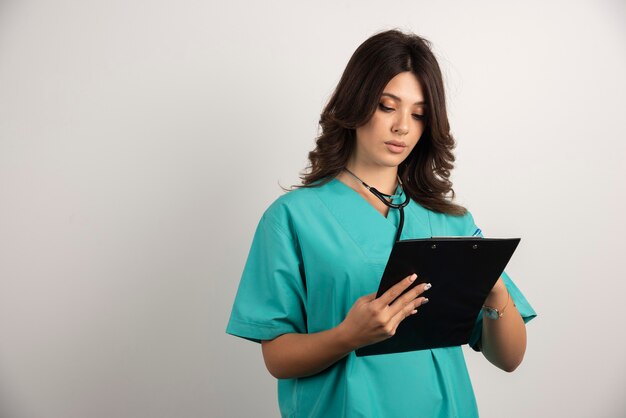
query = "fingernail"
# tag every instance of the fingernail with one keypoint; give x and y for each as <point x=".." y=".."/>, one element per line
<point x="414" y="311"/>
<point x="427" y="286"/>
<point x="425" y="301"/>
<point x="413" y="277"/>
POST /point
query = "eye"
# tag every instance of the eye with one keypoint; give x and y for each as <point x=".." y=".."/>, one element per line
<point x="384" y="108"/>
<point x="417" y="116"/>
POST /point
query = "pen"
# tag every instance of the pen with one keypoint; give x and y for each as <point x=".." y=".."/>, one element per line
<point x="477" y="232"/>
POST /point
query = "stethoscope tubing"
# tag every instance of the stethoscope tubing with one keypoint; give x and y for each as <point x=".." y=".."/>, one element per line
<point x="383" y="198"/>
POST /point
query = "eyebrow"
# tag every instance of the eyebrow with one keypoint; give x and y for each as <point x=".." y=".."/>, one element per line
<point x="393" y="96"/>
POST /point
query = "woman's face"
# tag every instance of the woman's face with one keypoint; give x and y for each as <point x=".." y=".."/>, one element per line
<point x="396" y="126"/>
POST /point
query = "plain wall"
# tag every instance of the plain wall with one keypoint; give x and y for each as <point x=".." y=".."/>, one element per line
<point x="140" y="142"/>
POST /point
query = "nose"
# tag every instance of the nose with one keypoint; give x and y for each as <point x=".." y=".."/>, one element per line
<point x="400" y="125"/>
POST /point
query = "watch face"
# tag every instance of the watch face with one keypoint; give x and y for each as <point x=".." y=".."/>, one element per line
<point x="491" y="313"/>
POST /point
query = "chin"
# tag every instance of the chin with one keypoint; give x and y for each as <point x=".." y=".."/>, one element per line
<point x="394" y="161"/>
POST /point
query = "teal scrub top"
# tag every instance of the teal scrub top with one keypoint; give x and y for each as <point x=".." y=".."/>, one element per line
<point x="315" y="252"/>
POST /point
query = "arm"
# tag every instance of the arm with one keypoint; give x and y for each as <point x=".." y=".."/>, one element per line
<point x="503" y="341"/>
<point x="299" y="355"/>
<point x="370" y="320"/>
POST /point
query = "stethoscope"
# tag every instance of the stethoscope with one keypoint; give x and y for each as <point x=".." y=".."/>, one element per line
<point x="387" y="200"/>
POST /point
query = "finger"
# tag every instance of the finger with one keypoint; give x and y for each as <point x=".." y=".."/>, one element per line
<point x="397" y="289"/>
<point x="409" y="295"/>
<point x="406" y="311"/>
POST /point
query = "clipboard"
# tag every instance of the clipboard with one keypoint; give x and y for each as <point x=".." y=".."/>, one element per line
<point x="462" y="271"/>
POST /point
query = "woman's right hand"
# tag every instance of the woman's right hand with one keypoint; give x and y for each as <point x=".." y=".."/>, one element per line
<point x="372" y="319"/>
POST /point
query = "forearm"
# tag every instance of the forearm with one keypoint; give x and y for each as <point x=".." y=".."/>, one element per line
<point x="300" y="355"/>
<point x="369" y="320"/>
<point x="503" y="341"/>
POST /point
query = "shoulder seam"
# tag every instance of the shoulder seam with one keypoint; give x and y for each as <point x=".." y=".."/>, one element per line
<point x="276" y="225"/>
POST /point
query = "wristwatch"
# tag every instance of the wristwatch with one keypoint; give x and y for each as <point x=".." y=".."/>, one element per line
<point x="494" y="313"/>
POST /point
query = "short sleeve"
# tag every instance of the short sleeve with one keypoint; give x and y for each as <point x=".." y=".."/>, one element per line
<point x="270" y="300"/>
<point x="523" y="306"/>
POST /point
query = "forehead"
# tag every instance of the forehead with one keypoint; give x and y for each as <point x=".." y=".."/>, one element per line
<point x="405" y="87"/>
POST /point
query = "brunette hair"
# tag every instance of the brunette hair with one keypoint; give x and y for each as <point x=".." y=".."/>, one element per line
<point x="425" y="172"/>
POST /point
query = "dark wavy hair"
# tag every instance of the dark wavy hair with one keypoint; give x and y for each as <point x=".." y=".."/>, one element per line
<point x="425" y="172"/>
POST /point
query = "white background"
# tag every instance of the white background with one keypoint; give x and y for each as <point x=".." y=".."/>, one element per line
<point x="140" y="141"/>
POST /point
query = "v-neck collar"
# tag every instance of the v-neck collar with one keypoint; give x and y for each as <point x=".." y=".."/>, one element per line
<point x="372" y="232"/>
<point x="398" y="197"/>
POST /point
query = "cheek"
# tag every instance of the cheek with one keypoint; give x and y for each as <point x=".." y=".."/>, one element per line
<point x="365" y="133"/>
<point x="415" y="140"/>
<point x="419" y="131"/>
<point x="375" y="130"/>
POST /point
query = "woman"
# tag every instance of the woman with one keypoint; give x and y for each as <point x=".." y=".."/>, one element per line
<point x="307" y="293"/>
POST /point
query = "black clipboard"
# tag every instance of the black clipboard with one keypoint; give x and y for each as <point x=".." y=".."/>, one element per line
<point x="462" y="271"/>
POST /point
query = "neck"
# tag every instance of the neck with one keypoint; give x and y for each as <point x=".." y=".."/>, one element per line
<point x="384" y="179"/>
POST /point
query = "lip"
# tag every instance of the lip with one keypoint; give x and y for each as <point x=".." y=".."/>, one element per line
<point x="396" y="147"/>
<point x="396" y="143"/>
